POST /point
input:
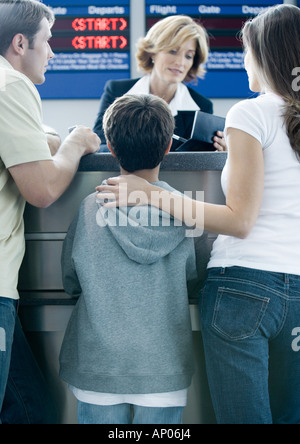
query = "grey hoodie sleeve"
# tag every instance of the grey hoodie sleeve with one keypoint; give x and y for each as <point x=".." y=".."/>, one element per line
<point x="70" y="280"/>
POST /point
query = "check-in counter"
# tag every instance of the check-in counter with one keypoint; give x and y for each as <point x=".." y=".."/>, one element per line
<point x="46" y="309"/>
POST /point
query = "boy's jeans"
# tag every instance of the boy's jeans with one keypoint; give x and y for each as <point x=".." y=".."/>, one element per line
<point x="122" y="414"/>
<point x="24" y="396"/>
<point x="251" y="334"/>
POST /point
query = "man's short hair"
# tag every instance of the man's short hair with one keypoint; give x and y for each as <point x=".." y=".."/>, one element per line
<point x="21" y="17"/>
<point x="139" y="129"/>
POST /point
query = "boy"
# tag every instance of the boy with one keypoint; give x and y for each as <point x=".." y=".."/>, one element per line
<point x="127" y="352"/>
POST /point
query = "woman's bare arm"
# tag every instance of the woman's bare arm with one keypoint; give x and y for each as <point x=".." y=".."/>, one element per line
<point x="244" y="192"/>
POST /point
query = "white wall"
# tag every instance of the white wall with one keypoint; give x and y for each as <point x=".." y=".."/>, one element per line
<point x="61" y="114"/>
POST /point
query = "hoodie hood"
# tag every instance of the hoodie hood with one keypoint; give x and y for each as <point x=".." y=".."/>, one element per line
<point x="146" y="234"/>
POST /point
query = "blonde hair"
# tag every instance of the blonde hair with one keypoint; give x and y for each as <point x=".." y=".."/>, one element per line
<point x="171" y="33"/>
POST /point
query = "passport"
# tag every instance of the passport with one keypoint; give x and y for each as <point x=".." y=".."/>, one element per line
<point x="204" y="129"/>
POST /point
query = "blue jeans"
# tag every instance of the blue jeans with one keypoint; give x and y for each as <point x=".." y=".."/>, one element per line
<point x="127" y="414"/>
<point x="7" y="327"/>
<point x="24" y="396"/>
<point x="251" y="335"/>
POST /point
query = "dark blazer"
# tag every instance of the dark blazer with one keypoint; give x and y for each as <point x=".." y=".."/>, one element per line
<point x="184" y="120"/>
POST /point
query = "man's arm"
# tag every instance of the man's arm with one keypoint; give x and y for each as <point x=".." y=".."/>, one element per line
<point x="53" y="139"/>
<point x="42" y="183"/>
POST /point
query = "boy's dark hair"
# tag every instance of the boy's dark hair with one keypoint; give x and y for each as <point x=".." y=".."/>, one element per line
<point x="21" y="17"/>
<point x="139" y="129"/>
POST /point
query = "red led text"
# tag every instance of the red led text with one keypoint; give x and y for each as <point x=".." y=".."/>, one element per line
<point x="99" y="42"/>
<point x="99" y="24"/>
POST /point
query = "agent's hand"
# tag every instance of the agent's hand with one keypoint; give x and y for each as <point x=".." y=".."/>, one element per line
<point x="123" y="191"/>
<point x="219" y="142"/>
<point x="85" y="138"/>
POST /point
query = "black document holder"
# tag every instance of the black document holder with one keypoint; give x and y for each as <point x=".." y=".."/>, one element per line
<point x="204" y="130"/>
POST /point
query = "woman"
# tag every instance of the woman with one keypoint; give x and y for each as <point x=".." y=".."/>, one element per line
<point x="173" y="52"/>
<point x="250" y="306"/>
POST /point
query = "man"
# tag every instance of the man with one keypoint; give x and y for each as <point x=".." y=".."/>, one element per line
<point x="28" y="171"/>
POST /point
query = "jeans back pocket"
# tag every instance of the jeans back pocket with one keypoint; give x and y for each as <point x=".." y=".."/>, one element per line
<point x="238" y="314"/>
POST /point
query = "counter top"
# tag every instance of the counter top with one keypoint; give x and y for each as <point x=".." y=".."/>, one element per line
<point x="190" y="161"/>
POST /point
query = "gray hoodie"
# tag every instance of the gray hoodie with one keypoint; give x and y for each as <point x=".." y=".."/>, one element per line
<point x="130" y="332"/>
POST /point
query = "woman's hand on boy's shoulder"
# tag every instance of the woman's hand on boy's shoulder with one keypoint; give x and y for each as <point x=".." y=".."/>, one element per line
<point x="123" y="191"/>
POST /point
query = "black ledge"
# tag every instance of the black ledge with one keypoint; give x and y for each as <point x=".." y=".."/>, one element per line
<point x="189" y="161"/>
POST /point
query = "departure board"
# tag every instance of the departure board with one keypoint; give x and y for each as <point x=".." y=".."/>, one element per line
<point x="91" y="42"/>
<point x="226" y="77"/>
